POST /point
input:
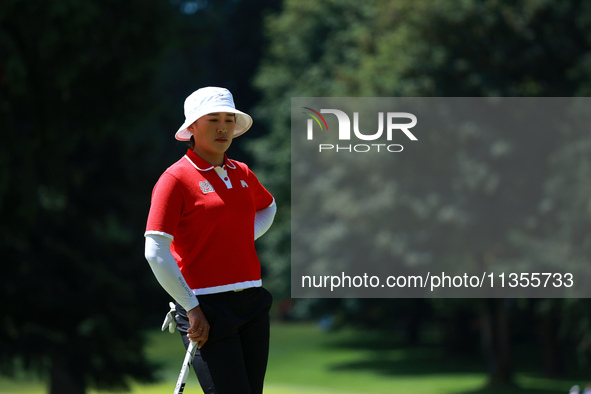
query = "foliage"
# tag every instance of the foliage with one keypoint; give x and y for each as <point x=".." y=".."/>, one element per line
<point x="90" y="96"/>
<point x="487" y="194"/>
<point x="74" y="99"/>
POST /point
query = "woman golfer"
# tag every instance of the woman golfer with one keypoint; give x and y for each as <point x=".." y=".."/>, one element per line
<point x="205" y="215"/>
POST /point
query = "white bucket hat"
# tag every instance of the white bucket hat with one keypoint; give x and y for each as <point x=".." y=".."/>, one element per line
<point x="209" y="100"/>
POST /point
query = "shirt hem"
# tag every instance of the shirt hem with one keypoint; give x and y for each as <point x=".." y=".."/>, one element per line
<point x="159" y="233"/>
<point x="231" y="287"/>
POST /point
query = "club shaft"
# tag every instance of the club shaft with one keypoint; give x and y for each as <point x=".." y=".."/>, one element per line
<point x="180" y="384"/>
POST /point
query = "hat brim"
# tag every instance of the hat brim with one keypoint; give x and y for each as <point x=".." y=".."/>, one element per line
<point x="243" y="122"/>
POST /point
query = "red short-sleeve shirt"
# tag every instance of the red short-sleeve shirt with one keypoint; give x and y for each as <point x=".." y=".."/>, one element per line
<point x="209" y="215"/>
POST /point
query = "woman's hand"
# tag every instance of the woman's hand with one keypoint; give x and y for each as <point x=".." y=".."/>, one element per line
<point x="199" y="330"/>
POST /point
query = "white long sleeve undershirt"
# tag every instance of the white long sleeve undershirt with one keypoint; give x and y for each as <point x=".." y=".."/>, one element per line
<point x="263" y="219"/>
<point x="157" y="252"/>
<point x="167" y="272"/>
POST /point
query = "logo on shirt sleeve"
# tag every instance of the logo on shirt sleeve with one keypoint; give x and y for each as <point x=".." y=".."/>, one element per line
<point x="243" y="183"/>
<point x="206" y="187"/>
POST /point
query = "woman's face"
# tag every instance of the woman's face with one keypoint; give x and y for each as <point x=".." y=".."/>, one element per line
<point x="213" y="135"/>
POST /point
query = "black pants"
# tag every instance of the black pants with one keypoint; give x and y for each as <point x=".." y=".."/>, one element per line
<point x="234" y="358"/>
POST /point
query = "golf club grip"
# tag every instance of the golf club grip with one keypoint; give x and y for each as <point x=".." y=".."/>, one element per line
<point x="180" y="384"/>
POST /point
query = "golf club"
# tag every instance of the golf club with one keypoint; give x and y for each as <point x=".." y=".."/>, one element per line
<point x="180" y="384"/>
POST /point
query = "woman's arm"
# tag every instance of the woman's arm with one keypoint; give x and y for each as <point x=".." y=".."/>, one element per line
<point x="263" y="219"/>
<point x="167" y="272"/>
<point x="169" y="276"/>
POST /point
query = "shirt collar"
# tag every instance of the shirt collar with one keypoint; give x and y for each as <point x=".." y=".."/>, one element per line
<point x="202" y="165"/>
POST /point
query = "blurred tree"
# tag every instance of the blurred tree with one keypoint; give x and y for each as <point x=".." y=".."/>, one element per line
<point x="484" y="188"/>
<point x="88" y="91"/>
<point x="76" y="97"/>
<point x="219" y="43"/>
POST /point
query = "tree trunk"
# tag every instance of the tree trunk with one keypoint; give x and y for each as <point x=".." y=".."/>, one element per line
<point x="460" y="337"/>
<point x="64" y="378"/>
<point x="553" y="357"/>
<point x="416" y="314"/>
<point x="496" y="342"/>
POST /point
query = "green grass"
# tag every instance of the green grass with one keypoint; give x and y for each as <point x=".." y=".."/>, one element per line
<point x="303" y="358"/>
<point x="306" y="360"/>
